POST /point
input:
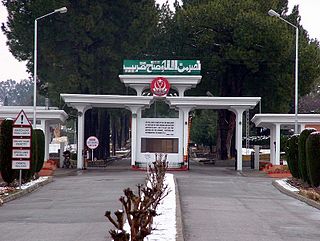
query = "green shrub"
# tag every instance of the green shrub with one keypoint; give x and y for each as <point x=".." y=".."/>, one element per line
<point x="74" y="156"/>
<point x="40" y="149"/>
<point x="313" y="158"/>
<point x="302" y="153"/>
<point x="7" y="173"/>
<point x="293" y="155"/>
<point x="283" y="142"/>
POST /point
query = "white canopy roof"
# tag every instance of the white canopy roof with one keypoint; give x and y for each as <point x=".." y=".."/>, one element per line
<point x="267" y="120"/>
<point x="125" y="101"/>
<point x="204" y="102"/>
<point x="52" y="115"/>
<point x="105" y="101"/>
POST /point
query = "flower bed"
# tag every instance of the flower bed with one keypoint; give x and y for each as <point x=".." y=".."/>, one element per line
<point x="304" y="189"/>
<point x="276" y="171"/>
<point x="48" y="168"/>
<point x="5" y="191"/>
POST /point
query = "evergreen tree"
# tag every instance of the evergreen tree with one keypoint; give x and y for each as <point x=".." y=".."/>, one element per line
<point x="81" y="51"/>
<point x="17" y="93"/>
<point x="242" y="53"/>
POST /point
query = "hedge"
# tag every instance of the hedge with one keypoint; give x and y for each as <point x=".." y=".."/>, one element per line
<point x="302" y="153"/>
<point x="40" y="149"/>
<point x="313" y="158"/>
<point x="293" y="155"/>
<point x="7" y="173"/>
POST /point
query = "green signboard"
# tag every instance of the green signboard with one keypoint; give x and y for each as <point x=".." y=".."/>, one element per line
<point x="162" y="67"/>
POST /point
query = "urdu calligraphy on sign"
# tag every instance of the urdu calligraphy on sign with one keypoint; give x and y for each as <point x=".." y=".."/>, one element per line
<point x="162" y="66"/>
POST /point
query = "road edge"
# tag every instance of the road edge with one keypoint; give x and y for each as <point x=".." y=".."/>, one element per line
<point x="296" y="195"/>
<point x="23" y="192"/>
<point x="179" y="222"/>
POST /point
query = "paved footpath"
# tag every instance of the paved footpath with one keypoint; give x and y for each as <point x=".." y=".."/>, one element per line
<point x="219" y="204"/>
<point x="216" y="203"/>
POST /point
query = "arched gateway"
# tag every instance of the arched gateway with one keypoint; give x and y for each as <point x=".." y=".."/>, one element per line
<point x="160" y="135"/>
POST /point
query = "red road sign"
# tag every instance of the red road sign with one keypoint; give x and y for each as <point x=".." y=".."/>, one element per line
<point x="92" y="142"/>
<point x="21" y="142"/>
<point x="22" y="120"/>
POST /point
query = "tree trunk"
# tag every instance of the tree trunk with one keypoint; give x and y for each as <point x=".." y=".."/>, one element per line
<point x="101" y="134"/>
<point x="231" y="85"/>
<point x="230" y="134"/>
<point x="226" y="125"/>
<point x="114" y="136"/>
<point x="107" y="146"/>
<point x="223" y="132"/>
<point x="87" y="124"/>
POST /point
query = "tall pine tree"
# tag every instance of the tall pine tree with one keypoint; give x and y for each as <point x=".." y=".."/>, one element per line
<point x="244" y="52"/>
<point x="82" y="51"/>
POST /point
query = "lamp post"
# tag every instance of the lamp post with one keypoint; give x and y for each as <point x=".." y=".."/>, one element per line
<point x="275" y="14"/>
<point x="59" y="10"/>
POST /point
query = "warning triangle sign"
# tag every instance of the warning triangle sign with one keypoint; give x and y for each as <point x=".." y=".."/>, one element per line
<point x="22" y="119"/>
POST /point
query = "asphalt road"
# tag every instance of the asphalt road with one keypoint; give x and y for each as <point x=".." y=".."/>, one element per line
<point x="69" y="209"/>
<point x="217" y="204"/>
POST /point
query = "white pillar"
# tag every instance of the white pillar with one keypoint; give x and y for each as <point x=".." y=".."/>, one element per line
<point x="134" y="116"/>
<point x="239" y="112"/>
<point x="181" y="89"/>
<point x="42" y="125"/>
<point x="61" y="158"/>
<point x="185" y="130"/>
<point x="302" y="127"/>
<point x="47" y="140"/>
<point x="273" y="135"/>
<point x="133" y="138"/>
<point x="139" y="89"/>
<point x="256" y="157"/>
<point x="277" y="147"/>
<point x="81" y="111"/>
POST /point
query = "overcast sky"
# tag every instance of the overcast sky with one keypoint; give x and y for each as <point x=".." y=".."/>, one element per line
<point x="10" y="68"/>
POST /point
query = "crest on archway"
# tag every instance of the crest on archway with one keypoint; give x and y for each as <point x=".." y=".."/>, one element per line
<point x="160" y="86"/>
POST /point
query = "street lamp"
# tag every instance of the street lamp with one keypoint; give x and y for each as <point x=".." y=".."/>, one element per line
<point x="59" y="10"/>
<point x="275" y="14"/>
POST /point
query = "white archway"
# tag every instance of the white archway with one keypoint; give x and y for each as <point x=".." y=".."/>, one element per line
<point x="274" y="122"/>
<point x="184" y="104"/>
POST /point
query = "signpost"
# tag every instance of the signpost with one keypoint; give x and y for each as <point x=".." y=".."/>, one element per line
<point x="92" y="143"/>
<point x="21" y="144"/>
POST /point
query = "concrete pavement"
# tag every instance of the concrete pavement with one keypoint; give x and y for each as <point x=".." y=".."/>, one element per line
<point x="216" y="202"/>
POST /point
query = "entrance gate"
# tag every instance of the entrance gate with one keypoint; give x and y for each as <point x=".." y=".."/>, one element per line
<point x="147" y="134"/>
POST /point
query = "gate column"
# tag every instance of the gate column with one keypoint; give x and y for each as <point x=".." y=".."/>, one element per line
<point x="275" y="144"/>
<point x="238" y="110"/>
<point x="135" y="113"/>
<point x="185" y="127"/>
<point x="81" y="111"/>
<point x="47" y="140"/>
